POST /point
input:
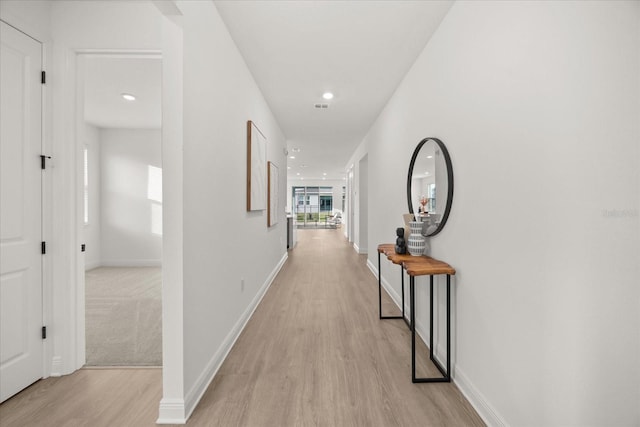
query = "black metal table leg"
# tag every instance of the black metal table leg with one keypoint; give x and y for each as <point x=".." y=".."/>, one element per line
<point x="446" y="375"/>
<point x="380" y="294"/>
<point x="431" y="317"/>
<point x="379" y="288"/>
<point x="412" y="308"/>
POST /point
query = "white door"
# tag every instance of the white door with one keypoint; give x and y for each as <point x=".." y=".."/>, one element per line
<point x="20" y="212"/>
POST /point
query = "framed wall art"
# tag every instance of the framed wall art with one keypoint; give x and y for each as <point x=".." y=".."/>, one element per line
<point x="256" y="168"/>
<point x="272" y="194"/>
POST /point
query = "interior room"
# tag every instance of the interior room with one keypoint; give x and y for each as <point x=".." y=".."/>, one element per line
<point x="122" y="208"/>
<point x="484" y="160"/>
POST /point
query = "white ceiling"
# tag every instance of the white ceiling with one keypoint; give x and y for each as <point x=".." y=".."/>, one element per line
<point x="359" y="50"/>
<point x="106" y="77"/>
<point x="296" y="50"/>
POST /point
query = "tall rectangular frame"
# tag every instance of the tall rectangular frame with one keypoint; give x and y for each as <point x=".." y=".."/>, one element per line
<point x="273" y="194"/>
<point x="256" y="165"/>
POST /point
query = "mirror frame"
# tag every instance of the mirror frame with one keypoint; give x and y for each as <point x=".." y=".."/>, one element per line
<point x="447" y="159"/>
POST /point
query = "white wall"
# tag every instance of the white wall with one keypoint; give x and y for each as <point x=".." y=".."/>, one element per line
<point x="32" y="17"/>
<point x="90" y="137"/>
<point x="538" y="105"/>
<point x="131" y="177"/>
<point x="220" y="238"/>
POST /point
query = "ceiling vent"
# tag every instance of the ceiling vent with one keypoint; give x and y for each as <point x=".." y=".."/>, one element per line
<point x="321" y="106"/>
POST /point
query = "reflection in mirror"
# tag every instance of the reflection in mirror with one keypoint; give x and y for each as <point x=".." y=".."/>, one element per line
<point x="430" y="185"/>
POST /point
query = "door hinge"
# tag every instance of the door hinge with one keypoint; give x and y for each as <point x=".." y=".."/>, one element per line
<point x="44" y="332"/>
<point x="43" y="161"/>
<point x="43" y="77"/>
<point x="44" y="248"/>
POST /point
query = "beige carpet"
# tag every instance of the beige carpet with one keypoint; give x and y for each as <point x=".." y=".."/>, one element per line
<point x="123" y="316"/>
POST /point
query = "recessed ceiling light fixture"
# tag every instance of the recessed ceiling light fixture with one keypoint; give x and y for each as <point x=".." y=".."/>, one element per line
<point x="292" y="157"/>
<point x="324" y="173"/>
<point x="327" y="95"/>
<point x="295" y="150"/>
<point x="128" y="96"/>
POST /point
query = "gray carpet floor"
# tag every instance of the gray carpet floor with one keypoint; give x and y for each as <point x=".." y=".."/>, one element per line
<point x="123" y="316"/>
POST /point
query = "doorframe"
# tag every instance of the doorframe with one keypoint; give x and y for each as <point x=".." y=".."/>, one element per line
<point x="79" y="258"/>
<point x="350" y="204"/>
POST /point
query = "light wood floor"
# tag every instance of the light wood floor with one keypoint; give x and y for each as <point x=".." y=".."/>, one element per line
<point x="313" y="354"/>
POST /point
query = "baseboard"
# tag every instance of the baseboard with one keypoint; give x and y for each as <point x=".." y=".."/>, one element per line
<point x="131" y="263"/>
<point x="171" y="412"/>
<point x="197" y="391"/>
<point x="357" y="249"/>
<point x="477" y="400"/>
<point x="56" y="366"/>
<point x="470" y="392"/>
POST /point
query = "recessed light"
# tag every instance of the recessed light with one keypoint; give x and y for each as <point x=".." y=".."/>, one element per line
<point x="128" y="96"/>
<point x="324" y="173"/>
<point x="295" y="150"/>
<point x="302" y="179"/>
<point x="323" y="178"/>
<point x="292" y="157"/>
<point x="429" y="157"/>
<point x="327" y="95"/>
<point x="288" y="167"/>
<point x="298" y="173"/>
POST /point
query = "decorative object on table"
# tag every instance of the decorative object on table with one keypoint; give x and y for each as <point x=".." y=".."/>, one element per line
<point x="273" y="194"/>
<point x="256" y="168"/>
<point x="401" y="246"/>
<point x="417" y="242"/>
<point x="407" y="218"/>
<point x="423" y="203"/>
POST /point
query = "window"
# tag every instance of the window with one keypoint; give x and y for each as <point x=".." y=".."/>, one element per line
<point x="312" y="204"/>
<point x="86" y="185"/>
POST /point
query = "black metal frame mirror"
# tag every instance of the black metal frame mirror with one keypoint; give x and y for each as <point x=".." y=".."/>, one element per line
<point x="435" y="161"/>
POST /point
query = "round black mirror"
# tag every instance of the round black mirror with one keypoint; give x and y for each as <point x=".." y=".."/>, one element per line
<point x="430" y="185"/>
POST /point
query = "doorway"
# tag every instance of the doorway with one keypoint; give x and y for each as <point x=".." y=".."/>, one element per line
<point x="120" y="175"/>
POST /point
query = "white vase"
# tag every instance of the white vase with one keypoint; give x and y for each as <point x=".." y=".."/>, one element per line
<point x="416" y="243"/>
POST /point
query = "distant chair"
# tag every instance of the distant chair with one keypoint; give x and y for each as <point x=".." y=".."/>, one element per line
<point x="333" y="221"/>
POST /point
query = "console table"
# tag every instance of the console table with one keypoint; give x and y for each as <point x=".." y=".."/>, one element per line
<point x="420" y="266"/>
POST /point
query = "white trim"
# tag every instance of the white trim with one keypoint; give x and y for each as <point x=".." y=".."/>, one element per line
<point x="171" y="412"/>
<point x="356" y="248"/>
<point x="466" y="387"/>
<point x="202" y="383"/>
<point x="131" y="263"/>
<point x="477" y="400"/>
<point x="56" y="367"/>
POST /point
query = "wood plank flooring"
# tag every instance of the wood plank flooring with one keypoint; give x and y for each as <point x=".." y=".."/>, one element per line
<point x="313" y="354"/>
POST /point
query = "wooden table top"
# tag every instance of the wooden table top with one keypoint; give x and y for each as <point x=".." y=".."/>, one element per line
<point x="416" y="265"/>
<point x="384" y="247"/>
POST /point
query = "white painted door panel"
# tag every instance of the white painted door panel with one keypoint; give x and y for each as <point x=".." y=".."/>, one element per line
<point x="20" y="211"/>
